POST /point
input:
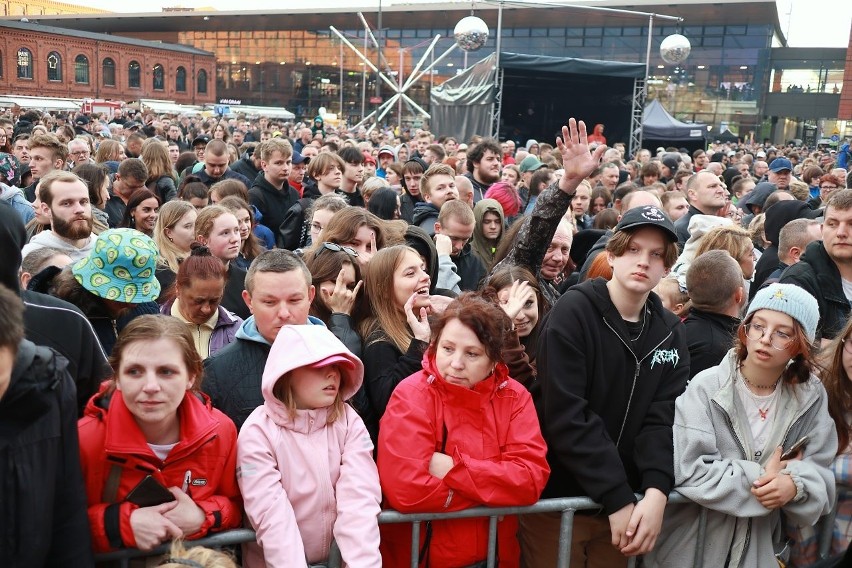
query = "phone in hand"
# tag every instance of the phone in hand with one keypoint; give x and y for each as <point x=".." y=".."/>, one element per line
<point x="796" y="448"/>
<point x="149" y="492"/>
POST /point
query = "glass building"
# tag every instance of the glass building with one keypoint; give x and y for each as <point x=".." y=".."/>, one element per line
<point x="292" y="58"/>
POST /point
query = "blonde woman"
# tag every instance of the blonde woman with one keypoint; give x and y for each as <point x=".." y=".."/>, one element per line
<point x="161" y="177"/>
<point x="110" y="151"/>
<point x="173" y="233"/>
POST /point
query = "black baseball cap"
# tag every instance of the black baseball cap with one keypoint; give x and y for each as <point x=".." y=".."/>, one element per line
<point x="202" y="139"/>
<point x="651" y="216"/>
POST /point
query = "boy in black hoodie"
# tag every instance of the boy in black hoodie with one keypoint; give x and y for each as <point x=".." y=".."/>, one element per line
<point x="611" y="362"/>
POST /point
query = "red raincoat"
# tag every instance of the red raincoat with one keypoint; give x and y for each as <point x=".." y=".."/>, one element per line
<point x="493" y="436"/>
<point x="206" y="454"/>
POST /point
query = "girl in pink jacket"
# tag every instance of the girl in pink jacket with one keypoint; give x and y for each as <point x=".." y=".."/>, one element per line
<point x="305" y="464"/>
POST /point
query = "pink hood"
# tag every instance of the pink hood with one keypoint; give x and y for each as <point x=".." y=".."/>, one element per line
<point x="300" y="345"/>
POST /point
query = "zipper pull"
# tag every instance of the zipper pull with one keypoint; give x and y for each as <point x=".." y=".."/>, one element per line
<point x="187" y="479"/>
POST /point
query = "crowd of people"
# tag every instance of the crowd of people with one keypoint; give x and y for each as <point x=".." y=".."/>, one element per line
<point x="210" y="324"/>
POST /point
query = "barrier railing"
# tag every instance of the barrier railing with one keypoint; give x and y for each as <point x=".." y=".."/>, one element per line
<point x="567" y="506"/>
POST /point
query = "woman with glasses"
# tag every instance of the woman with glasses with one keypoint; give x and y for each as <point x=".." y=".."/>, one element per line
<point x="752" y="438"/>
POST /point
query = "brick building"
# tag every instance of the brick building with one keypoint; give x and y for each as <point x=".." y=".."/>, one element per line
<point x="46" y="61"/>
<point x="43" y="7"/>
<point x="845" y="112"/>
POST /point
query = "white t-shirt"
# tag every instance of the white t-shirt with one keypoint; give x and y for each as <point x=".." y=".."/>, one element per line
<point x="761" y="412"/>
<point x="847" y="289"/>
<point x="162" y="450"/>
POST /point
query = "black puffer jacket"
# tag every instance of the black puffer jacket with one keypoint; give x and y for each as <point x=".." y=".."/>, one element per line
<point x="606" y="404"/>
<point x="272" y="203"/>
<point x="43" y="519"/>
<point x="817" y="274"/>
<point x="232" y="378"/>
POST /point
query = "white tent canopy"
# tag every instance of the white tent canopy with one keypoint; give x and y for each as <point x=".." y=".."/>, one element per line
<point x="168" y="107"/>
<point x="39" y="103"/>
<point x="255" y="111"/>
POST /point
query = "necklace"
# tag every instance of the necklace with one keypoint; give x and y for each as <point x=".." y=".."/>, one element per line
<point x="761" y="406"/>
<point x="760" y="387"/>
<point x="641" y="329"/>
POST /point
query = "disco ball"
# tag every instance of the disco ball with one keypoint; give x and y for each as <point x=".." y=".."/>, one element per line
<point x="675" y="49"/>
<point x="470" y="33"/>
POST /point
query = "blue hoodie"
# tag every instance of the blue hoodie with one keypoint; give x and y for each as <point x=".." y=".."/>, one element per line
<point x="249" y="331"/>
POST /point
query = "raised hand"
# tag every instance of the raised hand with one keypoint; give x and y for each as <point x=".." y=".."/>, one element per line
<point x="341" y="299"/>
<point x="577" y="161"/>
<point x="419" y="327"/>
<point x="519" y="294"/>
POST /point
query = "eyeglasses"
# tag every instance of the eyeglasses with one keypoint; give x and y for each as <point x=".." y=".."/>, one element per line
<point x="778" y="340"/>
<point x="334" y="247"/>
<point x="79" y="153"/>
<point x="821" y="187"/>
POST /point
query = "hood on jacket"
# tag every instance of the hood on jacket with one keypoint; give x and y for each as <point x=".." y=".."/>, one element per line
<point x="530" y="143"/>
<point x="303" y="345"/>
<point x="782" y="213"/>
<point x="423" y="211"/>
<point x="419" y="240"/>
<point x="598" y="130"/>
<point x="249" y="332"/>
<point x="13" y="235"/>
<point x="8" y="192"/>
<point x="758" y="195"/>
<point x="479" y="243"/>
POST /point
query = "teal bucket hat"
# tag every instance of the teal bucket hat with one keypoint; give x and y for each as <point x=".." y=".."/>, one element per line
<point x="120" y="267"/>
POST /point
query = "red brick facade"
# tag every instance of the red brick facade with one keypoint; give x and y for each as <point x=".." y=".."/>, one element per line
<point x="845" y="112"/>
<point x="42" y="43"/>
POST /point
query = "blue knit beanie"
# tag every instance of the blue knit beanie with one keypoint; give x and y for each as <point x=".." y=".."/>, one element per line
<point x="791" y="300"/>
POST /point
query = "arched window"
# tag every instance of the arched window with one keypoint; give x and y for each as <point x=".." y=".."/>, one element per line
<point x="134" y="75"/>
<point x="180" y="80"/>
<point x="54" y="66"/>
<point x="25" y="63"/>
<point x="202" y="81"/>
<point x="81" y="69"/>
<point x="108" y="72"/>
<point x="159" y="77"/>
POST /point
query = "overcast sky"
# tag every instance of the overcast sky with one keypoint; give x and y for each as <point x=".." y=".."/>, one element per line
<point x="809" y="23"/>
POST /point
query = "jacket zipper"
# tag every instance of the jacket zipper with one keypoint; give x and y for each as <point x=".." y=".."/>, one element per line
<point x="745" y="457"/>
<point x="635" y="375"/>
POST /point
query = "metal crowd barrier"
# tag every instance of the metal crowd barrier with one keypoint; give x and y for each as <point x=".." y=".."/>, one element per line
<point x="566" y="506"/>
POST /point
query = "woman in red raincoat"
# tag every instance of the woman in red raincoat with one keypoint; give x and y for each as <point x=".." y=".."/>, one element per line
<point x="458" y="434"/>
<point x="159" y="461"/>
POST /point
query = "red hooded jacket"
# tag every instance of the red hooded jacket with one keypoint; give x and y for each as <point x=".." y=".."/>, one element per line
<point x="493" y="436"/>
<point x="206" y="454"/>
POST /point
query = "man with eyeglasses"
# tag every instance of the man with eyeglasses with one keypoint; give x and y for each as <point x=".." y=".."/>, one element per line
<point x="825" y="269"/>
<point x="79" y="153"/>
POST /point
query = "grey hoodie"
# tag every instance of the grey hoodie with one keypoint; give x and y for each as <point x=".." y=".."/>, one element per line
<point x="712" y="449"/>
<point x="50" y="239"/>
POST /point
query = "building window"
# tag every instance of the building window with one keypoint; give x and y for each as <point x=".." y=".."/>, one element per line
<point x="81" y="70"/>
<point x="108" y="72"/>
<point x="159" y="77"/>
<point x="202" y="81"/>
<point x="180" y="80"/>
<point x="134" y="75"/>
<point x="54" y="66"/>
<point x="25" y="63"/>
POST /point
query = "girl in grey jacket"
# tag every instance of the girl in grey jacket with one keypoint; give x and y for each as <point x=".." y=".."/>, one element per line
<point x="732" y="425"/>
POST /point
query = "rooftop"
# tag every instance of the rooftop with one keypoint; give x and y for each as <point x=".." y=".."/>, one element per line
<point x="17" y="24"/>
<point x="428" y="13"/>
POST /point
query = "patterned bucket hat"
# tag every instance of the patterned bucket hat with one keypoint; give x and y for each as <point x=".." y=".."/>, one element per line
<point x="10" y="169"/>
<point x="120" y="267"/>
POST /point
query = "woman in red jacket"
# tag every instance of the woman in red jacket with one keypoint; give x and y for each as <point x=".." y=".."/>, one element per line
<point x="460" y="434"/>
<point x="159" y="461"/>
